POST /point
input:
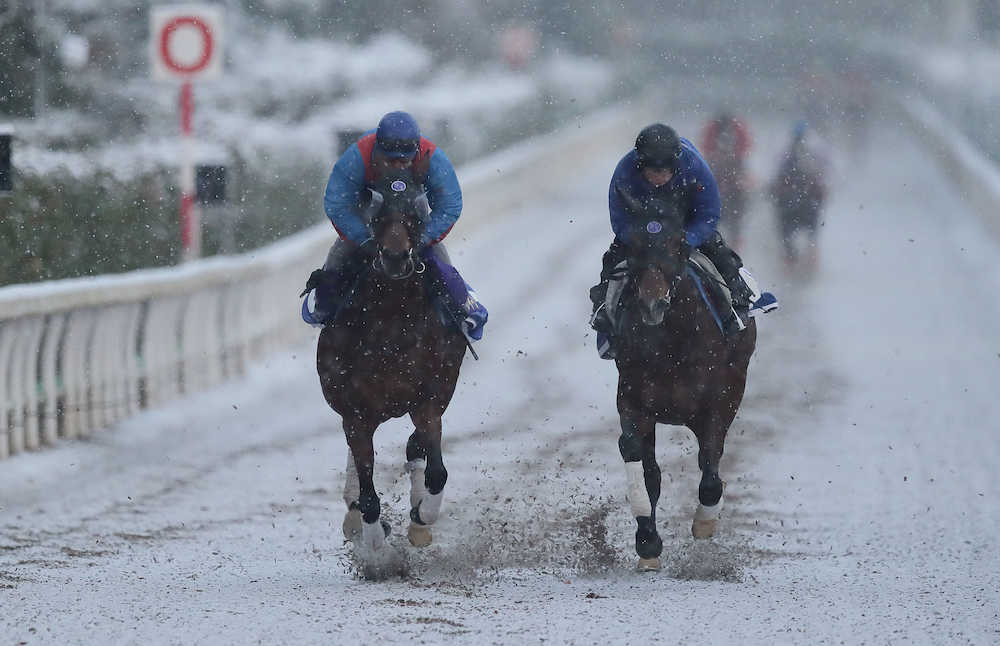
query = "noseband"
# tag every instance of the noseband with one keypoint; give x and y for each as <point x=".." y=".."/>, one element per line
<point x="413" y="265"/>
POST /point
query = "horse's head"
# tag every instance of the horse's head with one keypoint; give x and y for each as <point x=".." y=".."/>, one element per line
<point x="399" y="224"/>
<point x="657" y="252"/>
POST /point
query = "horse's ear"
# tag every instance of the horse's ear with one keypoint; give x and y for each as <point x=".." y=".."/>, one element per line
<point x="631" y="203"/>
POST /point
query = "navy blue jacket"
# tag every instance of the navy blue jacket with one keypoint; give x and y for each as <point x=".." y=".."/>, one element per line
<point x="693" y="179"/>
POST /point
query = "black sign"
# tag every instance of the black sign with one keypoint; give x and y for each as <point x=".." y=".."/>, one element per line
<point x="210" y="184"/>
<point x="6" y="174"/>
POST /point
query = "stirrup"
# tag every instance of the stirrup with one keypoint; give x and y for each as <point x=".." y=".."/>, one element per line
<point x="733" y="325"/>
<point x="766" y="303"/>
<point x="605" y="349"/>
<point x="600" y="322"/>
<point x="313" y="315"/>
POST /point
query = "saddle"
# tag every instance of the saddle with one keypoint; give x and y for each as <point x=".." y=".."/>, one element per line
<point x="327" y="293"/>
<point x="706" y="278"/>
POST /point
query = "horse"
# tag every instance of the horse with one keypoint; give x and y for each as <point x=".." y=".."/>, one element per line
<point x="388" y="354"/>
<point x="798" y="192"/>
<point x="674" y="367"/>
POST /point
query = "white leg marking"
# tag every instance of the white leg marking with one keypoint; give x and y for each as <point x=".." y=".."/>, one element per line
<point x="352" y="487"/>
<point x="430" y="507"/>
<point x="352" y="524"/>
<point x="638" y="497"/>
<point x="417" y="489"/>
<point x="709" y="513"/>
<point x="372" y="535"/>
<point x="706" y="519"/>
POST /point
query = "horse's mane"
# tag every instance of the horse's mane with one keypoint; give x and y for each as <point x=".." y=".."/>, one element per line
<point x="654" y="220"/>
<point x="399" y="191"/>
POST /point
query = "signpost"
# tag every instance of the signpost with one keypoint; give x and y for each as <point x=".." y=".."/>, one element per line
<point x="6" y="171"/>
<point x="186" y="45"/>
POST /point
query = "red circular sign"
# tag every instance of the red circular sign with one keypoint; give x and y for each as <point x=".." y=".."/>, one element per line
<point x="206" y="35"/>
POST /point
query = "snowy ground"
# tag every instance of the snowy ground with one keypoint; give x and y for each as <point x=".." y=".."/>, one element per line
<point x="860" y="469"/>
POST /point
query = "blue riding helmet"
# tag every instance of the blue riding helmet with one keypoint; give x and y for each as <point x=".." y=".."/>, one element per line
<point x="398" y="135"/>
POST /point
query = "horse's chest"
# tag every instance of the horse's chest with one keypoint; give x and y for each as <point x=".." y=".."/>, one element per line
<point x="674" y="382"/>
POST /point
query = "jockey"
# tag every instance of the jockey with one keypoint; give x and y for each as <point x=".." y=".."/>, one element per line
<point x="395" y="144"/>
<point x="662" y="163"/>
<point x="799" y="189"/>
<point x="725" y="135"/>
<point x="801" y="178"/>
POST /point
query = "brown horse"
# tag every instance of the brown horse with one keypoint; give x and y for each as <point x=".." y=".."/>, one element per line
<point x="674" y="367"/>
<point x="388" y="354"/>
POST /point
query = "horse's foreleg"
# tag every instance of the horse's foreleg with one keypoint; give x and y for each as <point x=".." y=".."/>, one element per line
<point x="710" y="489"/>
<point x="352" y="492"/>
<point x="428" y="476"/>
<point x="359" y="439"/>
<point x="637" y="445"/>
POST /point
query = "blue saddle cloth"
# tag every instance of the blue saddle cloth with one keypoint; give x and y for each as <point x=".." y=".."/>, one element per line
<point x="766" y="302"/>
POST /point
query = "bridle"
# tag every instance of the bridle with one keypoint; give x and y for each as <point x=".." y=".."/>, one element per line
<point x="414" y="265"/>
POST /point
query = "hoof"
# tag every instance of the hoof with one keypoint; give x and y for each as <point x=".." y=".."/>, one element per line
<point x="704" y="527"/>
<point x="648" y="565"/>
<point x="352" y="524"/>
<point x="419" y="535"/>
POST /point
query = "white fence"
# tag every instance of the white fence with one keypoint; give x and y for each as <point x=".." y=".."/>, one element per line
<point x="78" y="355"/>
<point x="976" y="176"/>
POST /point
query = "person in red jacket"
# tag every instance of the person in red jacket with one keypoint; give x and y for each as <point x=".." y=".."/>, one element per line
<point x="725" y="144"/>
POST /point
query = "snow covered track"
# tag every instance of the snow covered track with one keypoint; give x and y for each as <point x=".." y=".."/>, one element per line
<point x="856" y="472"/>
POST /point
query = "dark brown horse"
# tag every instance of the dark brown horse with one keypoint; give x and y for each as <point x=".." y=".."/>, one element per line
<point x="386" y="355"/>
<point x="674" y="367"/>
<point x="799" y="192"/>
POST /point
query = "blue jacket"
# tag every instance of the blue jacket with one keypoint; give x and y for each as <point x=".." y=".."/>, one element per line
<point x="694" y="180"/>
<point x="351" y="177"/>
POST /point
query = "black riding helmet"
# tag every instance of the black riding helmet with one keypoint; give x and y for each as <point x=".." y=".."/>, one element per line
<point x="658" y="146"/>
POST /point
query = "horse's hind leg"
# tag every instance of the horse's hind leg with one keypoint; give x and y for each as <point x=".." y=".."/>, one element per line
<point x="710" y="445"/>
<point x="427" y="476"/>
<point x="637" y="445"/>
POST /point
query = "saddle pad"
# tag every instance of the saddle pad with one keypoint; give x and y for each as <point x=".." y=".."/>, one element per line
<point x="700" y="269"/>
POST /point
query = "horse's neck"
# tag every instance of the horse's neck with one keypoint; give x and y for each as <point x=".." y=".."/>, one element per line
<point x="392" y="299"/>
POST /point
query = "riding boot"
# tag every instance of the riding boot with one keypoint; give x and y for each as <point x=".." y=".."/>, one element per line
<point x="728" y="263"/>
<point x="600" y="321"/>
<point x="331" y="285"/>
<point x="456" y="295"/>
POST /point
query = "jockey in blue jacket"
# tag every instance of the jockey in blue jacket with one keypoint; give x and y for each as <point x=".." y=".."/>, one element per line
<point x="395" y="144"/>
<point x="661" y="162"/>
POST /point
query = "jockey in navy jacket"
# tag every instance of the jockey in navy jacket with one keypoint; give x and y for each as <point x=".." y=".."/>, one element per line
<point x="700" y="194"/>
<point x="354" y="172"/>
<point x="662" y="163"/>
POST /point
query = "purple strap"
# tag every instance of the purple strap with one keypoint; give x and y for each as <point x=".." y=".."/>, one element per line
<point x="452" y="280"/>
